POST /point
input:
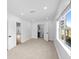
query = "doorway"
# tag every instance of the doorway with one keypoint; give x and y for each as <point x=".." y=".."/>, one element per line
<point x="18" y="33"/>
<point x="40" y="31"/>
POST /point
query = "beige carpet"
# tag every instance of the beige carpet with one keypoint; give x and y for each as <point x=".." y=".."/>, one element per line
<point x="34" y="49"/>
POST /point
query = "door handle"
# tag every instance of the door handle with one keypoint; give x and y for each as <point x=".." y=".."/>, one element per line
<point x="9" y="36"/>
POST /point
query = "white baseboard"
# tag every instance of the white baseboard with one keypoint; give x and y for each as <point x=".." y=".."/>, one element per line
<point x="57" y="51"/>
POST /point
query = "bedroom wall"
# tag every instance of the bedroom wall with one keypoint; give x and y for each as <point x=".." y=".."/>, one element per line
<point x="52" y="30"/>
<point x="62" y="50"/>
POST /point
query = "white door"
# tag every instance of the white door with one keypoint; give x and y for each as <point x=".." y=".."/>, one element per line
<point x="46" y="31"/>
<point x="11" y="35"/>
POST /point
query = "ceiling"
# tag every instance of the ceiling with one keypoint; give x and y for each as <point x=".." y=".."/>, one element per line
<point x="33" y="10"/>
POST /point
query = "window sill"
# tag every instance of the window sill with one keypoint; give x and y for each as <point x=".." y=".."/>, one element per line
<point x="65" y="46"/>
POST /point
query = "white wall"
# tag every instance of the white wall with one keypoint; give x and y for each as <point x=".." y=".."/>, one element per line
<point x="25" y="30"/>
<point x="52" y="30"/>
<point x="62" y="52"/>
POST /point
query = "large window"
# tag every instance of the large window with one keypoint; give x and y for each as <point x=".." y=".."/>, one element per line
<point x="65" y="27"/>
<point x="68" y="28"/>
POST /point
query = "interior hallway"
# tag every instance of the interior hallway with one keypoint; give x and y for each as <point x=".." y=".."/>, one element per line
<point x="34" y="49"/>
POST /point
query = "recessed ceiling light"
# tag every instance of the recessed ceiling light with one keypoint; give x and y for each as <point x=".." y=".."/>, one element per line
<point x="45" y="8"/>
<point x="22" y="14"/>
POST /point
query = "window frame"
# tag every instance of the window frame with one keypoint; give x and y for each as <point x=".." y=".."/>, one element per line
<point x="62" y="43"/>
<point x="66" y="11"/>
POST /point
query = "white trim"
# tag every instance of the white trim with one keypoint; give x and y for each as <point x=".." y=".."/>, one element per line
<point x="67" y="12"/>
<point x="65" y="47"/>
<point x="57" y="51"/>
<point x="63" y="44"/>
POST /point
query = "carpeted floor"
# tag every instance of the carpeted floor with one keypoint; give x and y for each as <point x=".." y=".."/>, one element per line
<point x="34" y="49"/>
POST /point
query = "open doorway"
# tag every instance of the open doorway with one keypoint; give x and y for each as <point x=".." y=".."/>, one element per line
<point x="18" y="33"/>
<point x="40" y="31"/>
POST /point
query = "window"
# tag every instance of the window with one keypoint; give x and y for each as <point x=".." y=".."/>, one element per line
<point x="65" y="28"/>
<point x="68" y="28"/>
